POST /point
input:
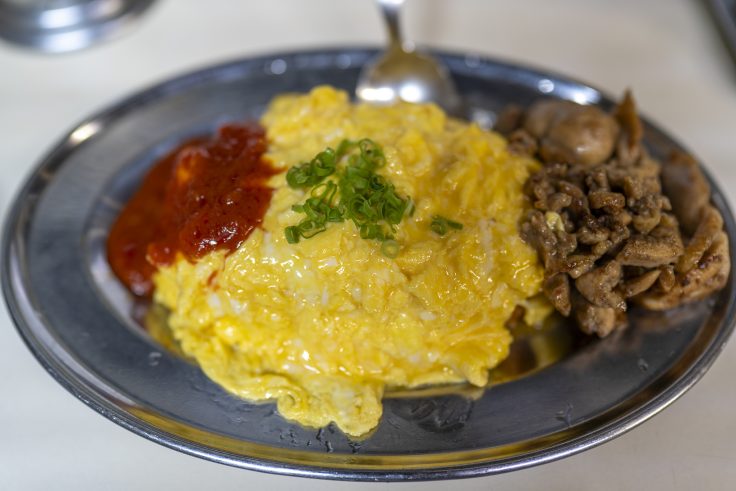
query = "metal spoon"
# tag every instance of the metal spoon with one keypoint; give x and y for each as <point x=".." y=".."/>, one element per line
<point x="399" y="73"/>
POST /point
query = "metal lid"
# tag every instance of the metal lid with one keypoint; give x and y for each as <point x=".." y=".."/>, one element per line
<point x="57" y="26"/>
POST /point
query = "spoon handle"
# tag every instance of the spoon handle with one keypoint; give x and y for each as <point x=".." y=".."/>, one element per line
<point x="390" y="10"/>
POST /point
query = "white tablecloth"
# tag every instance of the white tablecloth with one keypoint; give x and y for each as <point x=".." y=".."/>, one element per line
<point x="666" y="50"/>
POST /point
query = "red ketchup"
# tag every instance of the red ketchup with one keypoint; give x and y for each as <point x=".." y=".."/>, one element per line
<point x="206" y="195"/>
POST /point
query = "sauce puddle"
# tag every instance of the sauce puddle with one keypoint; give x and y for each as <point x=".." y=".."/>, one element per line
<point x="207" y="194"/>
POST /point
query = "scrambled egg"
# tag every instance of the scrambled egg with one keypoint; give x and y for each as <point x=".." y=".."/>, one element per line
<point x="324" y="326"/>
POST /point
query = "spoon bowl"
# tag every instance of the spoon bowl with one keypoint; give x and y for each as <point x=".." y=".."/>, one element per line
<point x="400" y="73"/>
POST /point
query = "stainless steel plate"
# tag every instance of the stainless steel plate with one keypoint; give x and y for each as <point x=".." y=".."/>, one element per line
<point x="78" y="321"/>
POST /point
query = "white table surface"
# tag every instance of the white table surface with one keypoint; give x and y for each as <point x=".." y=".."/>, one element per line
<point x="666" y="50"/>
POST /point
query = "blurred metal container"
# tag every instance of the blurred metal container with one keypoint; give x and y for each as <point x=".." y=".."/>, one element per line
<point x="724" y="16"/>
<point x="56" y="26"/>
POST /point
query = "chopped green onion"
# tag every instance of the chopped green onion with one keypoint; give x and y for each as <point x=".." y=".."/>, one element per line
<point x="367" y="199"/>
<point x="390" y="248"/>
<point x="311" y="173"/>
<point x="310" y="228"/>
<point x="292" y="234"/>
<point x="441" y="225"/>
<point x="410" y="207"/>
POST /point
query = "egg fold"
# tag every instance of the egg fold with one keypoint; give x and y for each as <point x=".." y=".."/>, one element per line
<point x="325" y="326"/>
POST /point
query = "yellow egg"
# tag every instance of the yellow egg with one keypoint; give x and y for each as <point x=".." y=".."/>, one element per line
<point x="325" y="326"/>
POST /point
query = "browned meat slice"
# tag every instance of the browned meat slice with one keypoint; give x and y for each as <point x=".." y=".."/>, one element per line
<point x="602" y="248"/>
<point x="628" y="149"/>
<point x="711" y="272"/>
<point x="628" y="118"/>
<point x="687" y="189"/>
<point x="647" y="213"/>
<point x="667" y="279"/>
<point x="637" y="180"/>
<point x="668" y="228"/>
<point x="553" y="245"/>
<point x="602" y="199"/>
<point x="542" y="114"/>
<point x="579" y="264"/>
<point x="709" y="275"/>
<point x="598" y="286"/>
<point x="591" y="235"/>
<point x="572" y="133"/>
<point x="710" y="223"/>
<point x="597" y="180"/>
<point x="516" y="319"/>
<point x="522" y="143"/>
<point x="596" y="320"/>
<point x="573" y="190"/>
<point x="641" y="283"/>
<point x="662" y="246"/>
<point x="621" y="217"/>
<point x="557" y="201"/>
<point x="509" y="119"/>
<point x="557" y="290"/>
<point x="647" y="219"/>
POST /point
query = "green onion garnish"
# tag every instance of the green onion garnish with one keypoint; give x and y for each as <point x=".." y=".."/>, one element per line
<point x="312" y="173"/>
<point x="441" y="225"/>
<point x="366" y="198"/>
<point x="390" y="248"/>
<point x="292" y="234"/>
